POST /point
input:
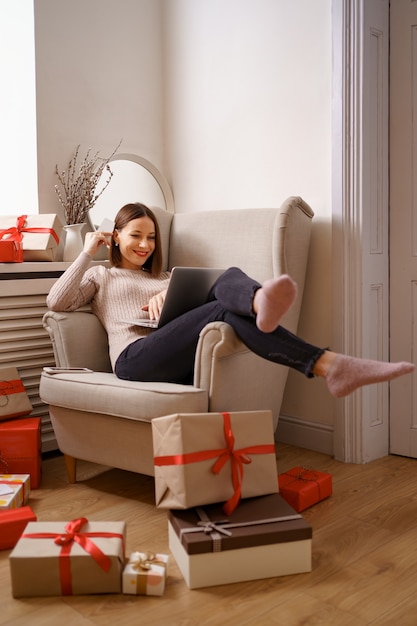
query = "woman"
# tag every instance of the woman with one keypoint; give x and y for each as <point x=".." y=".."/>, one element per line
<point x="135" y="286"/>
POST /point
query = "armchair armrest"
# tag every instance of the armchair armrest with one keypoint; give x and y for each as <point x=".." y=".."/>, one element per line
<point x="78" y="340"/>
<point x="236" y="378"/>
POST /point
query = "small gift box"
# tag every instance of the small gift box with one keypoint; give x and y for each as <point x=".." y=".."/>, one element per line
<point x="204" y="458"/>
<point x="10" y="251"/>
<point x="20" y="448"/>
<point x="17" y="479"/>
<point x="11" y="496"/>
<point x="14" y="400"/>
<point x="145" y="574"/>
<point x="302" y="487"/>
<point x="68" y="558"/>
<point x="12" y="525"/>
<point x="264" y="537"/>
<point x="38" y="234"/>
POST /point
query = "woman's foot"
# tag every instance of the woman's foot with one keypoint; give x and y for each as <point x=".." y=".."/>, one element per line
<point x="345" y="374"/>
<point x="272" y="301"/>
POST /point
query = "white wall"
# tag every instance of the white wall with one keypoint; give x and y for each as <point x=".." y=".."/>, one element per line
<point x="232" y="100"/>
<point x="248" y="121"/>
<point x="19" y="189"/>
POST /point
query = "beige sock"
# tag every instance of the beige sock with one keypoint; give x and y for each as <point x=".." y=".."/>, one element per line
<point x="273" y="300"/>
<point x="346" y="373"/>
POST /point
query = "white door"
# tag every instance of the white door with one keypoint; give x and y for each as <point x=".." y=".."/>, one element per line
<point x="403" y="221"/>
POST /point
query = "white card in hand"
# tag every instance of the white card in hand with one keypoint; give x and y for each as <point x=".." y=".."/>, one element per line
<point x="106" y="226"/>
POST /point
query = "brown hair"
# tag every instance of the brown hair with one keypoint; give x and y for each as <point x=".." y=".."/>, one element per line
<point x="130" y="212"/>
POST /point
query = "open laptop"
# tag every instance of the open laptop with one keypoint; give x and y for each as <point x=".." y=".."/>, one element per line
<point x="188" y="288"/>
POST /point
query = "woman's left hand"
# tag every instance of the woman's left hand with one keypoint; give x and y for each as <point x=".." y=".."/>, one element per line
<point x="155" y="304"/>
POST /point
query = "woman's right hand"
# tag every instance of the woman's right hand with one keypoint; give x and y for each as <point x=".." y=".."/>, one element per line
<point x="94" y="240"/>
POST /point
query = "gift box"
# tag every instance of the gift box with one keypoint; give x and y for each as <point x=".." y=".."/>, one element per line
<point x="14" y="400"/>
<point x="263" y="538"/>
<point x="302" y="487"/>
<point x="12" y="525"/>
<point x="17" y="479"/>
<point x="68" y="558"/>
<point x="145" y="574"/>
<point x="39" y="234"/>
<point x="10" y="251"/>
<point x="11" y="496"/>
<point x="204" y="458"/>
<point x="20" y="448"/>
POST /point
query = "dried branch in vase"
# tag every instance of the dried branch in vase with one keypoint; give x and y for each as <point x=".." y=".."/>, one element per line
<point x="77" y="192"/>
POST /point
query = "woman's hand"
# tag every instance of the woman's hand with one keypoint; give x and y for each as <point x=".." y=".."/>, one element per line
<point x="93" y="241"/>
<point x="155" y="304"/>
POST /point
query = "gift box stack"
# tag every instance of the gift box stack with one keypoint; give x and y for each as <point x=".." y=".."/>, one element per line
<point x="29" y="237"/>
<point x="20" y="457"/>
<point x="216" y="473"/>
<point x="82" y="557"/>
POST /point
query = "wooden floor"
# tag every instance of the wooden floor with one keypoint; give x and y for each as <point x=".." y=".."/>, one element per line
<point x="364" y="554"/>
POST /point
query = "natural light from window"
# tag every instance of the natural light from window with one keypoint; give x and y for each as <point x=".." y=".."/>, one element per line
<point x="18" y="156"/>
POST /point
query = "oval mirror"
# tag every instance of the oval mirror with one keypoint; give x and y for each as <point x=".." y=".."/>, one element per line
<point x="135" y="179"/>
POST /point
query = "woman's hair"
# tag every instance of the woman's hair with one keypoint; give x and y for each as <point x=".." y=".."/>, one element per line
<point x="130" y="212"/>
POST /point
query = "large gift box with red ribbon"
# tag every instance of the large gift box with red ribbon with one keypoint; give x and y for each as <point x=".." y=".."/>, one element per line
<point x="37" y="235"/>
<point x="202" y="458"/>
<point x="302" y="487"/>
<point x="68" y="558"/>
<point x="12" y="525"/>
<point x="263" y="538"/>
<point x="20" y="448"/>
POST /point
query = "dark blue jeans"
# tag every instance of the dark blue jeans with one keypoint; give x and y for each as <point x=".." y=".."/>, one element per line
<point x="167" y="354"/>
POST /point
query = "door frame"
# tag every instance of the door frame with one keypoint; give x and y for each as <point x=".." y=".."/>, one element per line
<point x="357" y="437"/>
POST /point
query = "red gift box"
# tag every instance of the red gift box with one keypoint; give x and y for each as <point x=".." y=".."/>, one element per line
<point x="10" y="251"/>
<point x="20" y="448"/>
<point x="302" y="487"/>
<point x="12" y="525"/>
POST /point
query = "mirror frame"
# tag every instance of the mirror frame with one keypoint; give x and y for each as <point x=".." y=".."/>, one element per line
<point x="152" y="169"/>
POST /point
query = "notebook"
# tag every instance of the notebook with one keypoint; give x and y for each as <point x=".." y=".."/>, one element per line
<point x="188" y="288"/>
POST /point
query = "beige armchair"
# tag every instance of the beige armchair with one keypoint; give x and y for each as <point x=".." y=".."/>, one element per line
<point x="100" y="418"/>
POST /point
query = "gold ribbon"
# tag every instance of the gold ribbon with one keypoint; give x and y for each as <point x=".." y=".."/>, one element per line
<point x="142" y="563"/>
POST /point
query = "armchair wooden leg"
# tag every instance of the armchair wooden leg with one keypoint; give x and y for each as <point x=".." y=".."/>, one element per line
<point x="71" y="465"/>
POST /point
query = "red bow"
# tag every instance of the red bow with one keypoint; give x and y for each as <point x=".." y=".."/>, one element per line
<point x="15" y="232"/>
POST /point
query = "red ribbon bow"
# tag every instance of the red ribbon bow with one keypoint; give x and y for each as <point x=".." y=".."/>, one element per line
<point x="15" y="232"/>
<point x="66" y="540"/>
<point x="237" y="459"/>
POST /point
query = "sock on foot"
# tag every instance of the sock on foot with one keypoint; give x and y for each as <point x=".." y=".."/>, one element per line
<point x="273" y="301"/>
<point x="346" y="373"/>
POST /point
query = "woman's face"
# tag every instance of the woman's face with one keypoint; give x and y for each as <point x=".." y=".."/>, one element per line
<point x="136" y="242"/>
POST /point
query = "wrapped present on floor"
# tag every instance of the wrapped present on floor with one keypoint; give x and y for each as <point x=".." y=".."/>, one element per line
<point x="11" y="496"/>
<point x="12" y="525"/>
<point x="68" y="558"/>
<point x="39" y="234"/>
<point x="145" y="574"/>
<point x="263" y="538"/>
<point x="17" y="479"/>
<point x="203" y="458"/>
<point x="302" y="487"/>
<point x="20" y="448"/>
<point x="14" y="401"/>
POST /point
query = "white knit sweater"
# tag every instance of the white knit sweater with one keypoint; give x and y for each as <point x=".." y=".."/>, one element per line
<point x="114" y="294"/>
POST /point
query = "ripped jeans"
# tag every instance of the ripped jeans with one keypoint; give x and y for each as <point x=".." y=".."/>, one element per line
<point x="168" y="353"/>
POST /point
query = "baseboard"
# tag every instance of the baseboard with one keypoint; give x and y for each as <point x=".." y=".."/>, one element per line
<point x="305" y="434"/>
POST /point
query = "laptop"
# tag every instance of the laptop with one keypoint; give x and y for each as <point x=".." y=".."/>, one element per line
<point x="188" y="288"/>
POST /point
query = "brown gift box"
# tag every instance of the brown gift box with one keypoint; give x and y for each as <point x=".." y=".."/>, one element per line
<point x="262" y="538"/>
<point x="37" y="245"/>
<point x="60" y="558"/>
<point x="202" y="458"/>
<point x="14" y="400"/>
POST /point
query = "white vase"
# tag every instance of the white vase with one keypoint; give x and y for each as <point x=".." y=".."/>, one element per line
<point x="74" y="241"/>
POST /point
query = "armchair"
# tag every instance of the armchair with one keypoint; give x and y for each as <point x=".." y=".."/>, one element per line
<point x="100" y="418"/>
